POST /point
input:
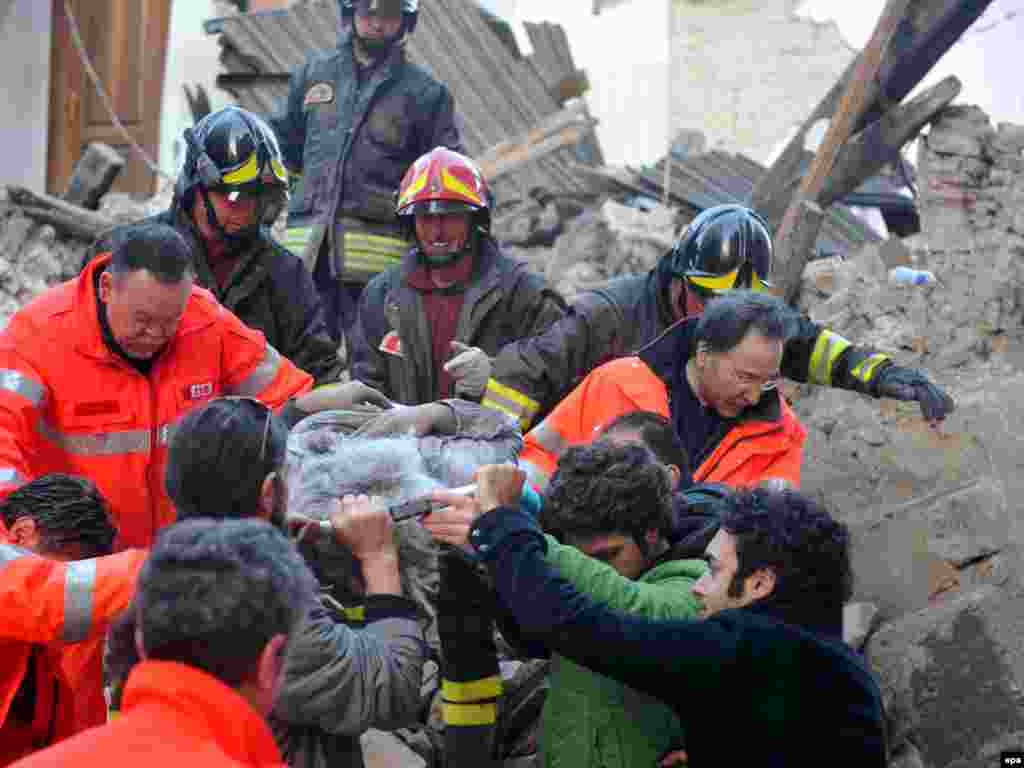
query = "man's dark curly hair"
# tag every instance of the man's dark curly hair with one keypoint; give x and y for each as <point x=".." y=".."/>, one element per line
<point x="657" y="433"/>
<point x="67" y="509"/>
<point x="797" y="538"/>
<point x="603" y="488"/>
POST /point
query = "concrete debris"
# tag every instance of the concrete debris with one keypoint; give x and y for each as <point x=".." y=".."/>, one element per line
<point x="951" y="676"/>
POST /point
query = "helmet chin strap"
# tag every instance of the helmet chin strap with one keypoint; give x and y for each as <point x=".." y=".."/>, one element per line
<point x="468" y="246"/>
<point x="379" y="48"/>
<point x="233" y="240"/>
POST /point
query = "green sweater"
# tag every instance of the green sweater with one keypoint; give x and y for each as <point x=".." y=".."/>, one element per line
<point x="591" y="721"/>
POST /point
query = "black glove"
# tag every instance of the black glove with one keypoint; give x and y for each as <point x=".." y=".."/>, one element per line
<point x="902" y="383"/>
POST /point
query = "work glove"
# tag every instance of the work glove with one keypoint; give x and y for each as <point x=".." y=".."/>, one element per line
<point x="471" y="368"/>
<point x="425" y="419"/>
<point x="341" y="397"/>
<point x="903" y="383"/>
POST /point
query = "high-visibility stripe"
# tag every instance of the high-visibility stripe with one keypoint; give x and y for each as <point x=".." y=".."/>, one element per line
<point x="20" y="384"/>
<point x="10" y="475"/>
<point x="97" y="443"/>
<point x="826" y="351"/>
<point x="469" y="714"/>
<point x="536" y="476"/>
<point x="78" y="590"/>
<point x="500" y="397"/>
<point x="261" y="377"/>
<point x="865" y="369"/>
<point x="166" y="430"/>
<point x="549" y="438"/>
<point x="354" y="612"/>
<point x="9" y="552"/>
<point x="297" y="238"/>
<point x="369" y="253"/>
<point x="471" y="691"/>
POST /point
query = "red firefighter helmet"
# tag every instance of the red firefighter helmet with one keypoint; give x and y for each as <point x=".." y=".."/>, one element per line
<point x="443" y="181"/>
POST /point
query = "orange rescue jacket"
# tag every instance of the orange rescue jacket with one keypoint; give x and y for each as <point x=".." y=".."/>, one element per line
<point x="173" y="716"/>
<point x="753" y="450"/>
<point x="70" y="404"/>
<point x="60" y="610"/>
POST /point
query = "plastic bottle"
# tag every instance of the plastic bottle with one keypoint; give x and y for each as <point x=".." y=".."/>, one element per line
<point x="911" y="276"/>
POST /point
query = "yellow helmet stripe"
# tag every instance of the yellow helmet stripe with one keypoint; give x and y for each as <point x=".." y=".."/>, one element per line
<point x="246" y="172"/>
<point x="715" y="282"/>
<point x="279" y="170"/>
<point x="414" y="186"/>
<point x="453" y="184"/>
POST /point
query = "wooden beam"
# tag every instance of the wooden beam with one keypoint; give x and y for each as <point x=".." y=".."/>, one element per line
<point x="73" y="219"/>
<point x="790" y="262"/>
<point x="929" y="30"/>
<point x="865" y="154"/>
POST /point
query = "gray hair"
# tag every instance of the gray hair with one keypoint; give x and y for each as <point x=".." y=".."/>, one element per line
<point x="213" y="593"/>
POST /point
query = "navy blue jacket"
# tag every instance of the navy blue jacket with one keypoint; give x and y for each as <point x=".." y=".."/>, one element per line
<point x="751" y="687"/>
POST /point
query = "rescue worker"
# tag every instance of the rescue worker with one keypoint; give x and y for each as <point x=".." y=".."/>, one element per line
<point x="231" y="189"/>
<point x="725" y="247"/>
<point x="54" y="609"/>
<point x="610" y="507"/>
<point x="95" y="373"/>
<point x="217" y="604"/>
<point x="428" y="327"/>
<point x="355" y="120"/>
<point x="714" y="376"/>
<point x="763" y="678"/>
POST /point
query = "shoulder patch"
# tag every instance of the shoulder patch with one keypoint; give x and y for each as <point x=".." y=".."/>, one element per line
<point x="391" y="344"/>
<point x="320" y="93"/>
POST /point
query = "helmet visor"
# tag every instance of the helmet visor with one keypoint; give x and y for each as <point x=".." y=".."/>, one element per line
<point x="271" y="170"/>
<point x="742" y="277"/>
<point x="436" y="207"/>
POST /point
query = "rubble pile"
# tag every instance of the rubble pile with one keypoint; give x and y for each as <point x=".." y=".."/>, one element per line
<point x="934" y="514"/>
<point x="34" y="256"/>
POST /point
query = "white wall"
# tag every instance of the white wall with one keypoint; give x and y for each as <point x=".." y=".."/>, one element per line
<point x="192" y="57"/>
<point x="625" y="53"/>
<point x="25" y="83"/>
<point x="748" y="72"/>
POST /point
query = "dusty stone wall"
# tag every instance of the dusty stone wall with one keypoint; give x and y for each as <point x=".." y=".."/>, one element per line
<point x="746" y="72"/>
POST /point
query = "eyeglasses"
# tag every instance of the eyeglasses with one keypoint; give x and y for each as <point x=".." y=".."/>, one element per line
<point x="266" y="424"/>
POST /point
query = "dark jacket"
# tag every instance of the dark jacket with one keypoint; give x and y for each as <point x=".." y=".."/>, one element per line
<point x="533" y="375"/>
<point x="269" y="290"/>
<point x="752" y="685"/>
<point x="352" y="142"/>
<point x="504" y="301"/>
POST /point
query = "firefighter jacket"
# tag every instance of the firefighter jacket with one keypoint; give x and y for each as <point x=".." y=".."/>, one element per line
<point x="173" y="715"/>
<point x="53" y="616"/>
<point x="269" y="290"/>
<point x="391" y="341"/>
<point x="764" y="441"/>
<point x="352" y="136"/>
<point x="529" y="377"/>
<point x="68" y="403"/>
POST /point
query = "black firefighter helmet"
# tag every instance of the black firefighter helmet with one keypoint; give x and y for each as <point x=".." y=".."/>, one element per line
<point x="234" y="152"/>
<point x="725" y="247"/>
<point x="409" y="9"/>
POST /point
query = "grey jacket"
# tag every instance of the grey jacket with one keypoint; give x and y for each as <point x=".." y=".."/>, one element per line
<point x="339" y="682"/>
<point x="504" y="301"/>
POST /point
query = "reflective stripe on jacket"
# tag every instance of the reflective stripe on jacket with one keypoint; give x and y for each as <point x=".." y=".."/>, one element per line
<point x="63" y="609"/>
<point x="751" y="451"/>
<point x="353" y="136"/>
<point x="532" y="375"/>
<point x="174" y="715"/>
<point x="70" y="404"/>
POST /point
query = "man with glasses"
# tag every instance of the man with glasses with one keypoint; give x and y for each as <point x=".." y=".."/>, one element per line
<point x="726" y="247"/>
<point x="713" y="375"/>
<point x="231" y="189"/>
<point x="96" y="373"/>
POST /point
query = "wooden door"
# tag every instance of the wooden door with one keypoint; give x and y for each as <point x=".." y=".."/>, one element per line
<point x="126" y="41"/>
